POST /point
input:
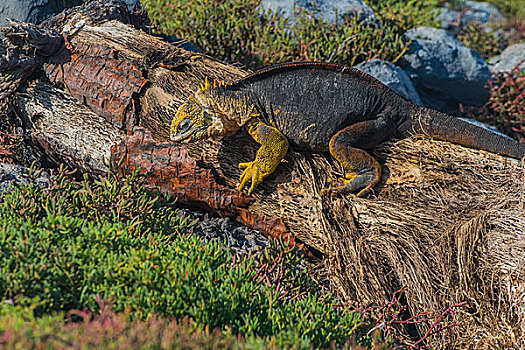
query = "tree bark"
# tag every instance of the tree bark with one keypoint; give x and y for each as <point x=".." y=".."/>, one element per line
<point x="110" y="90"/>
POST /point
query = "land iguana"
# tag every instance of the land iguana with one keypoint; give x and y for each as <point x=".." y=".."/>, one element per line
<point x="320" y="107"/>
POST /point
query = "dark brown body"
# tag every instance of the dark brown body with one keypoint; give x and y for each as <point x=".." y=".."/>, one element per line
<point x="310" y="102"/>
<point x="324" y="106"/>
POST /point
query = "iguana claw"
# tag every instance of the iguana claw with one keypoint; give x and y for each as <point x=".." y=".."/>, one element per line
<point x="252" y="172"/>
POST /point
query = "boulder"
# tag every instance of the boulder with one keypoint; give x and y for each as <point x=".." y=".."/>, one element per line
<point x="330" y="10"/>
<point x="453" y="19"/>
<point x="33" y="11"/>
<point x="509" y="59"/>
<point x="13" y="173"/>
<point x="392" y="76"/>
<point x="444" y="72"/>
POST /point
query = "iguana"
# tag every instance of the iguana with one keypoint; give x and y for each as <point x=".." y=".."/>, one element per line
<point x="320" y="107"/>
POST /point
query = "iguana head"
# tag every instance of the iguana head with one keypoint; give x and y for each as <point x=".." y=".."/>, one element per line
<point x="191" y="122"/>
<point x="204" y="115"/>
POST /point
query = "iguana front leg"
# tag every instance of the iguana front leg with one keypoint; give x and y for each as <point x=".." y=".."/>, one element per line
<point x="274" y="146"/>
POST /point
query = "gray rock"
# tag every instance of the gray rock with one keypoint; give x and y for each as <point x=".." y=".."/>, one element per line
<point x="33" y="11"/>
<point x="240" y="239"/>
<point x="392" y="76"/>
<point x="481" y="12"/>
<point x="450" y="19"/>
<point x="13" y="173"/>
<point x="444" y="72"/>
<point x="469" y="12"/>
<point x="509" y="59"/>
<point x="329" y="10"/>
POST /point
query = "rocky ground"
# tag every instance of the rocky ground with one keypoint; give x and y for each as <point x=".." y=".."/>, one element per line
<point x="239" y="238"/>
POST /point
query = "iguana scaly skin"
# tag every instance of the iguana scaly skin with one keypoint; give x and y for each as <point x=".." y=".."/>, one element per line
<point x="320" y="107"/>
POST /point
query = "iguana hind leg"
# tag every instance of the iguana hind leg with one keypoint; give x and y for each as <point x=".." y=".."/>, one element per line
<point x="362" y="171"/>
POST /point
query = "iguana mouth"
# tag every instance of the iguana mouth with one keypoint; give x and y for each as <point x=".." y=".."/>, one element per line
<point x="180" y="138"/>
<point x="188" y="136"/>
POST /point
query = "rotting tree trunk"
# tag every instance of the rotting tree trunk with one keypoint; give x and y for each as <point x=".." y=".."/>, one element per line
<point x="443" y="222"/>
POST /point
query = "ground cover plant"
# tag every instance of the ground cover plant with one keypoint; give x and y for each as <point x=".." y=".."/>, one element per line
<point x="509" y="8"/>
<point x="20" y="329"/>
<point x="487" y="43"/>
<point x="490" y="39"/>
<point x="236" y="31"/>
<point x="66" y="247"/>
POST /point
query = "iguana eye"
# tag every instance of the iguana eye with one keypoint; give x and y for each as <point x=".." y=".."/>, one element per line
<point x="185" y="124"/>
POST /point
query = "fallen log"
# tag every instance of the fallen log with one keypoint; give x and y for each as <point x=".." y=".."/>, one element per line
<point x="443" y="224"/>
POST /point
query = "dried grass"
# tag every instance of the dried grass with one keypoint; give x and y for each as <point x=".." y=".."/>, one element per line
<point x="448" y="225"/>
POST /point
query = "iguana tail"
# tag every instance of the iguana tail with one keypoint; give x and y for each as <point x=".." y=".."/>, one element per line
<point x="444" y="127"/>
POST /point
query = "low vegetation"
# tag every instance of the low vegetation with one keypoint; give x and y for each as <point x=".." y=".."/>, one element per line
<point x="76" y="243"/>
<point x="506" y="107"/>
<point x="257" y="38"/>
<point x="487" y="43"/>
<point x="510" y="8"/>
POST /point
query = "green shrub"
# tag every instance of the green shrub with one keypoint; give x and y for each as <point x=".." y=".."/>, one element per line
<point x="506" y="106"/>
<point x="222" y="29"/>
<point x="62" y="248"/>
<point x="111" y="199"/>
<point x="509" y="8"/>
<point x="311" y="39"/>
<point x="406" y="14"/>
<point x="19" y="329"/>
<point x="487" y="43"/>
<point x="235" y="31"/>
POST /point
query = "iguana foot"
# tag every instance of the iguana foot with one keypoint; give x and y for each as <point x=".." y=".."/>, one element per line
<point x="362" y="171"/>
<point x="353" y="182"/>
<point x="347" y="178"/>
<point x="252" y="172"/>
<point x="274" y="146"/>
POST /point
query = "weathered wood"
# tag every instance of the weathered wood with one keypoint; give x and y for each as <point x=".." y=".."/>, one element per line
<point x="23" y="54"/>
<point x="67" y="130"/>
<point x="432" y="225"/>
